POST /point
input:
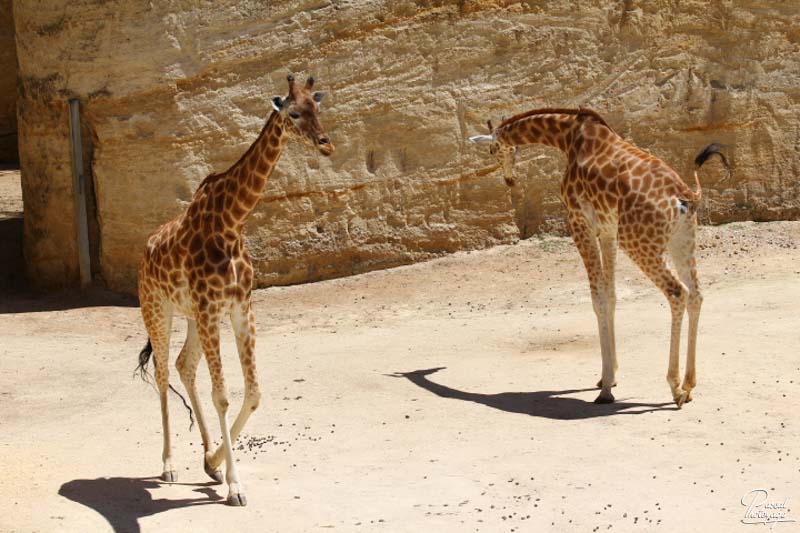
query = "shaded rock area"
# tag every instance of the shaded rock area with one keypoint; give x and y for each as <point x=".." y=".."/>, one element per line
<point x="8" y="86"/>
<point x="173" y="92"/>
<point x="12" y="262"/>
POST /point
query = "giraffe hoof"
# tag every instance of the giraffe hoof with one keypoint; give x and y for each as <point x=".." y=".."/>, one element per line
<point x="600" y="384"/>
<point x="213" y="473"/>
<point x="604" y="397"/>
<point x="237" y="499"/>
<point x="170" y="476"/>
<point x="681" y="398"/>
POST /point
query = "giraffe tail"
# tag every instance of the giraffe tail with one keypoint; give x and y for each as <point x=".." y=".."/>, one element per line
<point x="702" y="157"/>
<point x="144" y="358"/>
<point x="141" y="369"/>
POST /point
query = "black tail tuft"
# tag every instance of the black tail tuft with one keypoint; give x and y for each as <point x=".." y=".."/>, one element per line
<point x="144" y="358"/>
<point x="708" y="151"/>
<point x="141" y="369"/>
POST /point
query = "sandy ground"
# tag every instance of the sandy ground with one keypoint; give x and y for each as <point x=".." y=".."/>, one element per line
<point x="10" y="193"/>
<point x="454" y="395"/>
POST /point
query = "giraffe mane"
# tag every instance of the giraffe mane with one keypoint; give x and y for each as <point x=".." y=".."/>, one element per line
<point x="581" y="111"/>
<point x="211" y="178"/>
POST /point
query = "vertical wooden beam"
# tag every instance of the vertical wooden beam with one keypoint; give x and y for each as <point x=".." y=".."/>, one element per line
<point x="79" y="193"/>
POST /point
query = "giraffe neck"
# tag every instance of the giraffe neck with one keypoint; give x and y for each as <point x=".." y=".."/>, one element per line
<point x="552" y="129"/>
<point x="246" y="179"/>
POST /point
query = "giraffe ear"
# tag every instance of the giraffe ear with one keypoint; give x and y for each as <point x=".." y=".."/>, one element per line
<point x="482" y="139"/>
<point x="318" y="96"/>
<point x="278" y="103"/>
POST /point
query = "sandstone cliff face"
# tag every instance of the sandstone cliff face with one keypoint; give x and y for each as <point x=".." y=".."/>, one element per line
<point x="8" y="86"/>
<point x="172" y="91"/>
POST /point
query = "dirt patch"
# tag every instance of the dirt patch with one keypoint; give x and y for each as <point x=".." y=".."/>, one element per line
<point x="454" y="395"/>
<point x="10" y="193"/>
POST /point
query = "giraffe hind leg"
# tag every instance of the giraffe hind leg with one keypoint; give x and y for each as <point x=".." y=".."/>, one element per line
<point x="682" y="250"/>
<point x="158" y="321"/>
<point x="677" y="294"/>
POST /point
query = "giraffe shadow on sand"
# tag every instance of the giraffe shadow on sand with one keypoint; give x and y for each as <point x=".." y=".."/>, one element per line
<point x="546" y="404"/>
<point x="122" y="501"/>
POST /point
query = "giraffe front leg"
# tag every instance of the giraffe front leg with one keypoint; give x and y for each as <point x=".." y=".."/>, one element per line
<point x="236" y="496"/>
<point x="682" y="249"/>
<point x="608" y="369"/>
<point x="243" y="322"/>
<point x="187" y="363"/>
<point x="587" y="245"/>
<point x="169" y="473"/>
<point x="608" y="249"/>
<point x="208" y="329"/>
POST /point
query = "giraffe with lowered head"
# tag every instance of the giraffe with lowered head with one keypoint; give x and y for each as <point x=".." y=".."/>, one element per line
<point x="198" y="265"/>
<point x="616" y="194"/>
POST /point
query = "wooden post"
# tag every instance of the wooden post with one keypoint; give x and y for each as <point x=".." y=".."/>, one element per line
<point x="79" y="193"/>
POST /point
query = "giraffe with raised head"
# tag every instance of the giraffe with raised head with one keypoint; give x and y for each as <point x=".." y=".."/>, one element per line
<point x="198" y="265"/>
<point x="616" y="194"/>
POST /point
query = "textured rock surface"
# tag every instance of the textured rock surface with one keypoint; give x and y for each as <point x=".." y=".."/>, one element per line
<point x="173" y="91"/>
<point x="8" y="85"/>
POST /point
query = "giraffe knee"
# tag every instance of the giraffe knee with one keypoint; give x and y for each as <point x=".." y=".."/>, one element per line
<point x="220" y="400"/>
<point x="180" y="363"/>
<point x="599" y="301"/>
<point x="676" y="293"/>
<point x="695" y="300"/>
<point x="221" y="404"/>
<point x="253" y="398"/>
<point x="674" y="380"/>
<point x="187" y="376"/>
<point x="186" y="366"/>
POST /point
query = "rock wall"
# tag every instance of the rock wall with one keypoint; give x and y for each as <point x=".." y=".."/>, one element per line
<point x="172" y="91"/>
<point x="8" y="86"/>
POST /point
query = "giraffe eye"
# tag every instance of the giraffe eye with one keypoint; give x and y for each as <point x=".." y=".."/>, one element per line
<point x="294" y="114"/>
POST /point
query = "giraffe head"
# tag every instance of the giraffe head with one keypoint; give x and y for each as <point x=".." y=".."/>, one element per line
<point x="505" y="153"/>
<point x="300" y="111"/>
